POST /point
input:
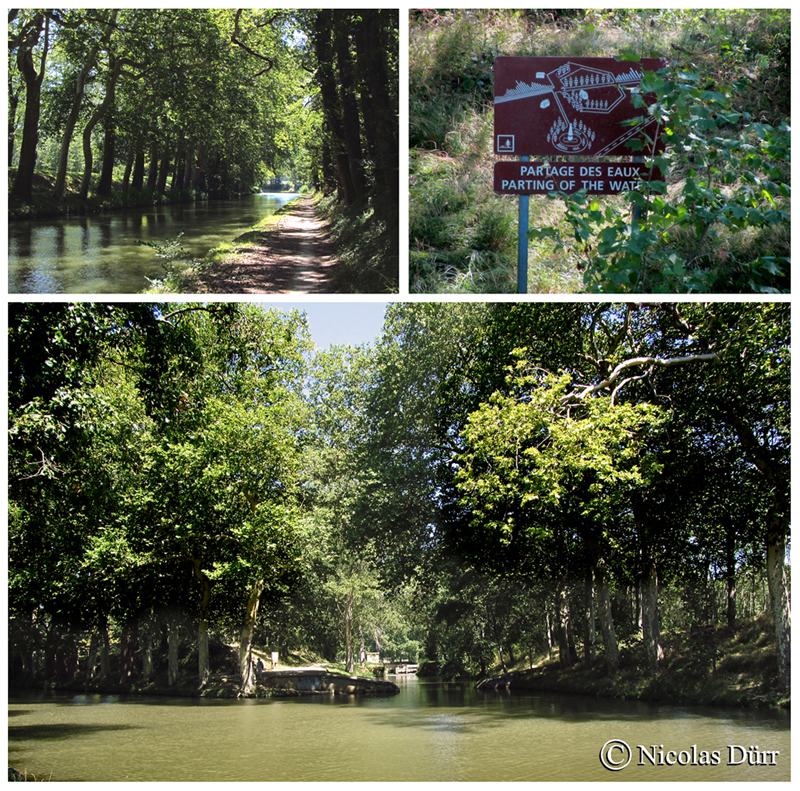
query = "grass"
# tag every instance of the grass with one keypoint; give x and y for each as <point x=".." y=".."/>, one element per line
<point x="463" y="237"/>
<point x="720" y="666"/>
<point x="366" y="239"/>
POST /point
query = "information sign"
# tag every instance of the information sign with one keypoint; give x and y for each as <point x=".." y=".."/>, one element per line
<point x="565" y="105"/>
<point x="539" y="178"/>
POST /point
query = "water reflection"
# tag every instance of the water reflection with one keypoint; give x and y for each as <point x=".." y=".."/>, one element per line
<point x="100" y="253"/>
<point x="429" y="732"/>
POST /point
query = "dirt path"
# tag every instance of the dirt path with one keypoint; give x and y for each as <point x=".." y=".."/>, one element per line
<point x="295" y="257"/>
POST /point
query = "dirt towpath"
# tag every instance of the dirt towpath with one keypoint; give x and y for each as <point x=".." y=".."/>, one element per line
<point x="294" y="257"/>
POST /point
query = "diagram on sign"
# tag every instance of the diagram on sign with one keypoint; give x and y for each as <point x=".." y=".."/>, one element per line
<point x="576" y="107"/>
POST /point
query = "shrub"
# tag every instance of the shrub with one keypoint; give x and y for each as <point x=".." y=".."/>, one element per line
<point x="735" y="182"/>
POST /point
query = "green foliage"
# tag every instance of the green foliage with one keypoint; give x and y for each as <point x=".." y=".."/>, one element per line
<point x="182" y="450"/>
<point x="735" y="180"/>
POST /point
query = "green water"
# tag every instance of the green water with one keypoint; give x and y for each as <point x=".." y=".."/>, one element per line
<point x="100" y="254"/>
<point x="431" y="731"/>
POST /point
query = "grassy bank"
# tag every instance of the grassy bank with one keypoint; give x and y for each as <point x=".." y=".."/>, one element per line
<point x="714" y="666"/>
<point x="180" y="269"/>
<point x="463" y="237"/>
<point x="367" y="240"/>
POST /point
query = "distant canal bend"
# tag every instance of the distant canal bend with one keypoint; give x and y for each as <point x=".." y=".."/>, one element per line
<point x="100" y="254"/>
<point x="431" y="731"/>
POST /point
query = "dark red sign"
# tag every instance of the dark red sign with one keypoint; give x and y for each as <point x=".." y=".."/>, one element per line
<point x="564" y="105"/>
<point x="597" y="178"/>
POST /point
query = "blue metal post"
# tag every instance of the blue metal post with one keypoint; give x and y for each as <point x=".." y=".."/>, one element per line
<point x="522" y="244"/>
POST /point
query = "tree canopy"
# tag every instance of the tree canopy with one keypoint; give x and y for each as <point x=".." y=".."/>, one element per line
<point x="204" y="102"/>
<point x="575" y="475"/>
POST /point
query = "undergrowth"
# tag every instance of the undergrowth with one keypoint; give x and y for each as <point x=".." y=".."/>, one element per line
<point x="366" y="239"/>
<point x="713" y="665"/>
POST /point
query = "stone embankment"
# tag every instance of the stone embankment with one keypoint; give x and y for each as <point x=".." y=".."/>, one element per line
<point x="313" y="681"/>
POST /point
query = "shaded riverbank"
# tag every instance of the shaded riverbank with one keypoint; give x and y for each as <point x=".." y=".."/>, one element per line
<point x="44" y="204"/>
<point x="712" y="666"/>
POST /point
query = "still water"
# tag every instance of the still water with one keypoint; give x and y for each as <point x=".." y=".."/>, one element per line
<point x="100" y="254"/>
<point x="431" y="731"/>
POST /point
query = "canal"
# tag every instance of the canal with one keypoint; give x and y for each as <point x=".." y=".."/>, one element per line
<point x="431" y="731"/>
<point x="101" y="254"/>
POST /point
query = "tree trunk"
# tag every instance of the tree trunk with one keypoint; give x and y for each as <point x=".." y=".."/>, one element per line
<point x="127" y="650"/>
<point x="651" y="629"/>
<point x="348" y="633"/>
<point x="246" y="639"/>
<point x="779" y="597"/>
<point x="202" y="623"/>
<point x="373" y="51"/>
<point x="173" y="627"/>
<point x="562" y="610"/>
<point x="115" y="68"/>
<point x="590" y="640"/>
<point x="137" y="178"/>
<point x="610" y="647"/>
<point x="91" y="662"/>
<point x="778" y="520"/>
<point x="13" y="103"/>
<point x="730" y="574"/>
<point x="126" y="178"/>
<point x="351" y="125"/>
<point x="163" y="169"/>
<point x="188" y="167"/>
<point x="77" y="101"/>
<point x="199" y="173"/>
<point x="330" y="101"/>
<point x="152" y="172"/>
<point x="146" y="630"/>
<point x="23" y="182"/>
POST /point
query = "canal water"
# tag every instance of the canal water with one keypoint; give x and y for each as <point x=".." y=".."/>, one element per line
<point x="100" y="253"/>
<point x="431" y="731"/>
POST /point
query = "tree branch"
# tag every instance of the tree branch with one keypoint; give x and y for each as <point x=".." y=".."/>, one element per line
<point x="634" y="361"/>
<point x="236" y="40"/>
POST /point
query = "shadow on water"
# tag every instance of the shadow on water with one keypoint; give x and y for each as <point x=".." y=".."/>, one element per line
<point x="61" y="731"/>
<point x="100" y="253"/>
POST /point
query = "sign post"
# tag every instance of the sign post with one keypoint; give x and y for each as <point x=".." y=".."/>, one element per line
<point x="565" y="106"/>
<point x="522" y="241"/>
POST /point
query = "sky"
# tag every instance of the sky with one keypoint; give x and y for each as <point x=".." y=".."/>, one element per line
<point x="339" y="323"/>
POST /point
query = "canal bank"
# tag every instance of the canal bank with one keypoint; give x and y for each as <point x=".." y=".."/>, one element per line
<point x="717" y="665"/>
<point x="288" y="252"/>
<point x="45" y="204"/>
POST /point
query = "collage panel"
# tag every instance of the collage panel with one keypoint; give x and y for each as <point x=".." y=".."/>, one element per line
<point x="455" y="541"/>
<point x="610" y="151"/>
<point x="398" y="395"/>
<point x="203" y="151"/>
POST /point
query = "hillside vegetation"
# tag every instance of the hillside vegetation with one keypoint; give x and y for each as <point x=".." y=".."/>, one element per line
<point x="718" y="664"/>
<point x="721" y="224"/>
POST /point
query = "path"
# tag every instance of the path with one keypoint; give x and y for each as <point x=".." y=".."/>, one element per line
<point x="295" y="257"/>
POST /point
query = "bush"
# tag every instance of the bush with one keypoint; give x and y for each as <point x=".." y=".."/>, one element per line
<point x="734" y="191"/>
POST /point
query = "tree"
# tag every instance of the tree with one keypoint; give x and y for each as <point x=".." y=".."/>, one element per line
<point x="24" y="39"/>
<point x="156" y="445"/>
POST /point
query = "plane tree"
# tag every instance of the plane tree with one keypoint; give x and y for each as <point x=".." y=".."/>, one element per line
<point x="153" y="454"/>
